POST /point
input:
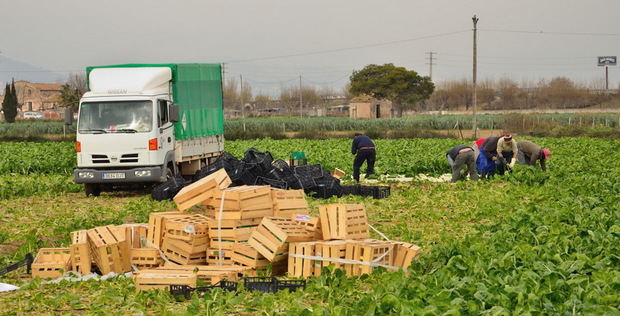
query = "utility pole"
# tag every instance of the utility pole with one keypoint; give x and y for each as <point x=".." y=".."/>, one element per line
<point x="474" y="121"/>
<point x="241" y="95"/>
<point x="301" y="103"/>
<point x="223" y="83"/>
<point x="430" y="63"/>
<point x="606" y="77"/>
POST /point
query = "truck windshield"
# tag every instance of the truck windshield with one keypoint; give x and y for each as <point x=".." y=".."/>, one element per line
<point x="116" y="117"/>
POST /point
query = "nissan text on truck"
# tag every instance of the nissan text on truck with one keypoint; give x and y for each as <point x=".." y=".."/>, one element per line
<point x="145" y="123"/>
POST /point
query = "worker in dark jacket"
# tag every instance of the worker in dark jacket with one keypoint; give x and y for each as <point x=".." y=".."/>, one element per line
<point x="529" y="153"/>
<point x="364" y="150"/>
<point x="502" y="150"/>
<point x="459" y="156"/>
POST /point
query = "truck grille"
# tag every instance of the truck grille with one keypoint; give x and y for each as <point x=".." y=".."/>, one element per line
<point x="100" y="159"/>
<point x="126" y="158"/>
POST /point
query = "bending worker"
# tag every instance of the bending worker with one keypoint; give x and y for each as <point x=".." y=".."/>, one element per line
<point x="364" y="150"/>
<point x="462" y="155"/>
<point x="501" y="150"/>
<point x="529" y="153"/>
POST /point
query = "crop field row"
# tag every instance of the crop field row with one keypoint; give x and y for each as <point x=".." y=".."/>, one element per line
<point x="530" y="242"/>
<point x="30" y="129"/>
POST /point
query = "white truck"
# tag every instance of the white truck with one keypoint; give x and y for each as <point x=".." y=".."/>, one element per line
<point x="146" y="123"/>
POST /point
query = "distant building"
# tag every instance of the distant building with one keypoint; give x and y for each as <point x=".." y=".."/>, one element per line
<point x="365" y="107"/>
<point x="38" y="97"/>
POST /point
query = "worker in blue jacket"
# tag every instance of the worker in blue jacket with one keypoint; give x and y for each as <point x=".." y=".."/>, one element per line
<point x="364" y="150"/>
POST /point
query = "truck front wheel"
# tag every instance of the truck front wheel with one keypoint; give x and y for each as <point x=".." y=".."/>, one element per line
<point x="92" y="189"/>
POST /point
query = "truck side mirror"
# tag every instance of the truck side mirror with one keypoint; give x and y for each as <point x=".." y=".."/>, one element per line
<point x="68" y="115"/>
<point x="174" y="113"/>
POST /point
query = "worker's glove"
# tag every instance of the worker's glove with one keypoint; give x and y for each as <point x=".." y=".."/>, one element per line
<point x="512" y="164"/>
<point x="494" y="158"/>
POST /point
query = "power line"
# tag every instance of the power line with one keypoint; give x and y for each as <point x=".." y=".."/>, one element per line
<point x="541" y="32"/>
<point x="349" y="48"/>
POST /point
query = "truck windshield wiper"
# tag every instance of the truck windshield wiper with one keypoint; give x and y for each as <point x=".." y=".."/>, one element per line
<point x="94" y="131"/>
<point x="126" y="130"/>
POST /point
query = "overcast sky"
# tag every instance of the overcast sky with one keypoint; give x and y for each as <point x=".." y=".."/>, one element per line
<point x="67" y="35"/>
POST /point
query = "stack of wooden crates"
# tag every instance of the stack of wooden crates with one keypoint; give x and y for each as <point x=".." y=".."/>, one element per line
<point x="234" y="231"/>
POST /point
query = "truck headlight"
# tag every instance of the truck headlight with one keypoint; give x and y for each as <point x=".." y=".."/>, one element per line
<point x="86" y="174"/>
<point x="143" y="173"/>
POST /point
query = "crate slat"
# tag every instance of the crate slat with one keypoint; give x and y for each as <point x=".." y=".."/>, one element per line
<point x="184" y="253"/>
<point x="367" y="251"/>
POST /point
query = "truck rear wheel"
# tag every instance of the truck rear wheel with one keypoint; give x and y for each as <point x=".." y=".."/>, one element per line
<point x="92" y="189"/>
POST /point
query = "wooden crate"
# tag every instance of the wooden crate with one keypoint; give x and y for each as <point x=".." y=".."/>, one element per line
<point x="156" y="228"/>
<point x="136" y="234"/>
<point x="51" y="262"/>
<point x="244" y="255"/>
<point x="213" y="257"/>
<point x="333" y="249"/>
<point x="145" y="258"/>
<point x="272" y="236"/>
<point x="287" y="203"/>
<point x="109" y="249"/>
<point x="183" y="253"/>
<point x="344" y="221"/>
<point x="228" y="232"/>
<point x="80" y="252"/>
<point x="209" y="274"/>
<point x="202" y="191"/>
<point x="242" y="202"/>
<point x="337" y="173"/>
<point x="367" y="251"/>
<point x="187" y="228"/>
<point x="312" y="224"/>
<point x="161" y="279"/>
<point x="404" y="253"/>
<point x="303" y="267"/>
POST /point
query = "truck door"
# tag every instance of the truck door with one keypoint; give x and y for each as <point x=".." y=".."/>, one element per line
<point x="166" y="129"/>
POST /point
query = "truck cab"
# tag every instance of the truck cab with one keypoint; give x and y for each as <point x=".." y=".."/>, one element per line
<point x="126" y="130"/>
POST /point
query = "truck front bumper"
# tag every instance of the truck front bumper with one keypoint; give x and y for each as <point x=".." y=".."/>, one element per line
<point x="135" y="175"/>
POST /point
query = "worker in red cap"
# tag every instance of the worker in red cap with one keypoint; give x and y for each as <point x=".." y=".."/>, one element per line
<point x="529" y="153"/>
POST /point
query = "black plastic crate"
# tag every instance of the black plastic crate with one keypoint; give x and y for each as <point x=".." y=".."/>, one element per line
<point x="186" y="290"/>
<point x="307" y="181"/>
<point x="264" y="159"/>
<point x="325" y="192"/>
<point x="376" y="192"/>
<point x="261" y="284"/>
<point x="350" y="189"/>
<point x="382" y="192"/>
<point x="271" y="284"/>
<point x="314" y="171"/>
<point x="291" y="285"/>
<point x="274" y="183"/>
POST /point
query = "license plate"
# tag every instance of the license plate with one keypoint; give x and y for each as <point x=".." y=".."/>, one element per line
<point x="114" y="175"/>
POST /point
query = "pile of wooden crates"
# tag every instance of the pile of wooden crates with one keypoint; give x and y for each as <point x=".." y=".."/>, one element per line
<point x="231" y="232"/>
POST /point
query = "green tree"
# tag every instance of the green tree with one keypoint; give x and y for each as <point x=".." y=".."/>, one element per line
<point x="405" y="88"/>
<point x="9" y="104"/>
<point x="72" y="91"/>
